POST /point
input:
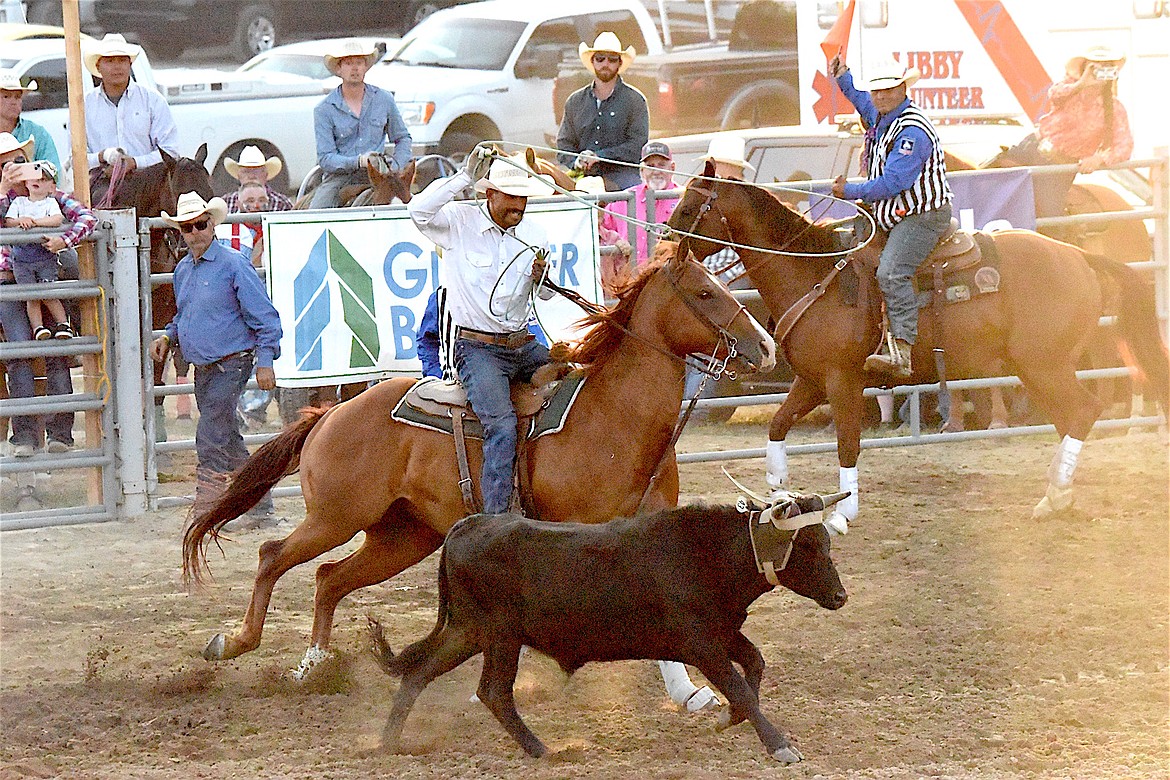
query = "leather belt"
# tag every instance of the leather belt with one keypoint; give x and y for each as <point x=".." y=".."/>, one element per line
<point x="513" y="340"/>
<point x="240" y="354"/>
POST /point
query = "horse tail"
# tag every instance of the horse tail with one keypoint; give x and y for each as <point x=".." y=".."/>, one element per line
<point x="416" y="652"/>
<point x="278" y="458"/>
<point x="1138" y="322"/>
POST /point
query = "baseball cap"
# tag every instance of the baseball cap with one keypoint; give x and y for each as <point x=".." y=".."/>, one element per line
<point x="656" y="148"/>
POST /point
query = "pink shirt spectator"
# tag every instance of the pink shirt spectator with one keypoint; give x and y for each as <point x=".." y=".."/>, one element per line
<point x="613" y="228"/>
<point x="1076" y="124"/>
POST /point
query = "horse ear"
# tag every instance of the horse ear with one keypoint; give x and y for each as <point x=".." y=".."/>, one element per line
<point x="168" y="161"/>
<point x="530" y="157"/>
<point x="709" y="170"/>
<point x="408" y="173"/>
<point x="201" y="153"/>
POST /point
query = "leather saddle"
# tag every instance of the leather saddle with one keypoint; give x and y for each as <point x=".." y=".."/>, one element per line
<point x="958" y="263"/>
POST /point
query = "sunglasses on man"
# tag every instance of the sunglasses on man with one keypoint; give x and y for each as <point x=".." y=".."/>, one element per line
<point x="191" y="227"/>
<point x="601" y="58"/>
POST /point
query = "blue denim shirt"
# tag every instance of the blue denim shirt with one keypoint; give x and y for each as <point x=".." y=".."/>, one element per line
<point x="341" y="136"/>
<point x="222" y="308"/>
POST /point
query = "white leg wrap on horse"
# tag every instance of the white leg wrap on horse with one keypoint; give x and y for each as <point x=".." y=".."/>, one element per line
<point x="682" y="691"/>
<point x="776" y="465"/>
<point x="1064" y="463"/>
<point x="843" y="512"/>
<point x="313" y="656"/>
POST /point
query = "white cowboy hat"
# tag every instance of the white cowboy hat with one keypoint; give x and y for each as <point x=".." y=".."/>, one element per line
<point x="191" y="206"/>
<point x="730" y="149"/>
<point x="10" y="80"/>
<point x="609" y="43"/>
<point x="351" y="47"/>
<point x="113" y="45"/>
<point x="505" y="176"/>
<point x="252" y="157"/>
<point x="889" y="74"/>
<point x="593" y="185"/>
<point x="1095" y="54"/>
<point x="8" y="143"/>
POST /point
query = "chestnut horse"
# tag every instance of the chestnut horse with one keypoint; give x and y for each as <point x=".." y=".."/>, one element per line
<point x="1050" y="299"/>
<point x="363" y="471"/>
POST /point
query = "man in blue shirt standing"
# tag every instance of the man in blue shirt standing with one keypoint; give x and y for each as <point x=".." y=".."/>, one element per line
<point x="225" y="325"/>
<point x="907" y="185"/>
<point x="353" y="122"/>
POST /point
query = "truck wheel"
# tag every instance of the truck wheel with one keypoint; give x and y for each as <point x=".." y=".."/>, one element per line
<point x="762" y="104"/>
<point x="462" y="136"/>
<point x="221" y="182"/>
<point x="44" y="12"/>
<point x="256" y="30"/>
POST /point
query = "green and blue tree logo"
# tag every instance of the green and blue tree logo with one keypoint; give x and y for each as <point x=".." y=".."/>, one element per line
<point x="331" y="263"/>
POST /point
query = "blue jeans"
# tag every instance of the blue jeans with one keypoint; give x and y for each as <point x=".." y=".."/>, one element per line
<point x="26" y="429"/>
<point x="909" y="243"/>
<point x="328" y="194"/>
<point x="486" y="371"/>
<point x="218" y="387"/>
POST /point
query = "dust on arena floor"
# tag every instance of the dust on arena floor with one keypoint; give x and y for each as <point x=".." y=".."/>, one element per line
<point x="977" y="643"/>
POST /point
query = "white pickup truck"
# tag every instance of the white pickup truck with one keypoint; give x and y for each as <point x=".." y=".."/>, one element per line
<point x="227" y="111"/>
<point x="485" y="70"/>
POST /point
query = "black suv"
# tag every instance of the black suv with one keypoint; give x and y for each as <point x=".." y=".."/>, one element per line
<point x="252" y="26"/>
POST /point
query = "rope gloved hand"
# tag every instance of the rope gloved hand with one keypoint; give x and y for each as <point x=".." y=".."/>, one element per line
<point x="479" y="161"/>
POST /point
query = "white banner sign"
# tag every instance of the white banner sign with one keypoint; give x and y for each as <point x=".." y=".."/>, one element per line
<point x="351" y="288"/>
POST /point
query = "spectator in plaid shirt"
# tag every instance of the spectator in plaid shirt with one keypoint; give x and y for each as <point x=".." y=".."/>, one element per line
<point x="26" y="435"/>
<point x="252" y="167"/>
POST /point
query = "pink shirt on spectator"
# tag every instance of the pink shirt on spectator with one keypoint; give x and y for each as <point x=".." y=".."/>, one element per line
<point x="1075" y="126"/>
<point x="614" y="228"/>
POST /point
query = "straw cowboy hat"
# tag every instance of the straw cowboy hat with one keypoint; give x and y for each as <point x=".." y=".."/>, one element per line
<point x="113" y="45"/>
<point x="252" y="157"/>
<point x="889" y="74"/>
<point x="1099" y="54"/>
<point x="8" y="143"/>
<point x="505" y="176"/>
<point x="10" y="80"/>
<point x="729" y="149"/>
<point x="191" y="206"/>
<point x="606" y="42"/>
<point x="351" y="47"/>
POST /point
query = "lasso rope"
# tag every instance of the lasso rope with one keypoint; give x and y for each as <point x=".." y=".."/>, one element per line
<point x="658" y="228"/>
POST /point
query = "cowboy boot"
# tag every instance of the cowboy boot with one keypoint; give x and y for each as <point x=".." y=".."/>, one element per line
<point x="894" y="358"/>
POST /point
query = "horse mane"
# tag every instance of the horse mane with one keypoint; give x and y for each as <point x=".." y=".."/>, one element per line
<point x="785" y="227"/>
<point x="607" y="327"/>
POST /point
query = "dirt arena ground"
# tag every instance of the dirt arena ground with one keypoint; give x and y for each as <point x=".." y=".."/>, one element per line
<point x="977" y="643"/>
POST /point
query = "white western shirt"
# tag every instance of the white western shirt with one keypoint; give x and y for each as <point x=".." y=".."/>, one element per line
<point x="486" y="269"/>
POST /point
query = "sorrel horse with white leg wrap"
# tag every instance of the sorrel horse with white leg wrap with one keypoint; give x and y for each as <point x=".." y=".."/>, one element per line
<point x="361" y="470"/>
<point x="1049" y="300"/>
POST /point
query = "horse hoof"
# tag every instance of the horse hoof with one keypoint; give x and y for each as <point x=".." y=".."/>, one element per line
<point x="313" y="656"/>
<point x="1055" y="500"/>
<point x="214" y="649"/>
<point x="724" y="721"/>
<point x="788" y="755"/>
<point x="837" y="524"/>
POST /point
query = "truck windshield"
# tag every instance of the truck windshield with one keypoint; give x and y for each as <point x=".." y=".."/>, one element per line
<point x="472" y="44"/>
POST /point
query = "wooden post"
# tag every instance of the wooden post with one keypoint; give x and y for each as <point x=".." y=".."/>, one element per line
<point x="87" y="270"/>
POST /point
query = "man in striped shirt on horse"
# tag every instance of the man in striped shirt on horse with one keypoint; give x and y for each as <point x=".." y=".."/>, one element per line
<point x="907" y="186"/>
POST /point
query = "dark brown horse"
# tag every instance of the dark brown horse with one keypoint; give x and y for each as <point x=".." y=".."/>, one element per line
<point x="150" y="191"/>
<point x="363" y="471"/>
<point x="1051" y="297"/>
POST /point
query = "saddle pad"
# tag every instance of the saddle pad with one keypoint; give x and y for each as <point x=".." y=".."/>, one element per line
<point x="551" y="418"/>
